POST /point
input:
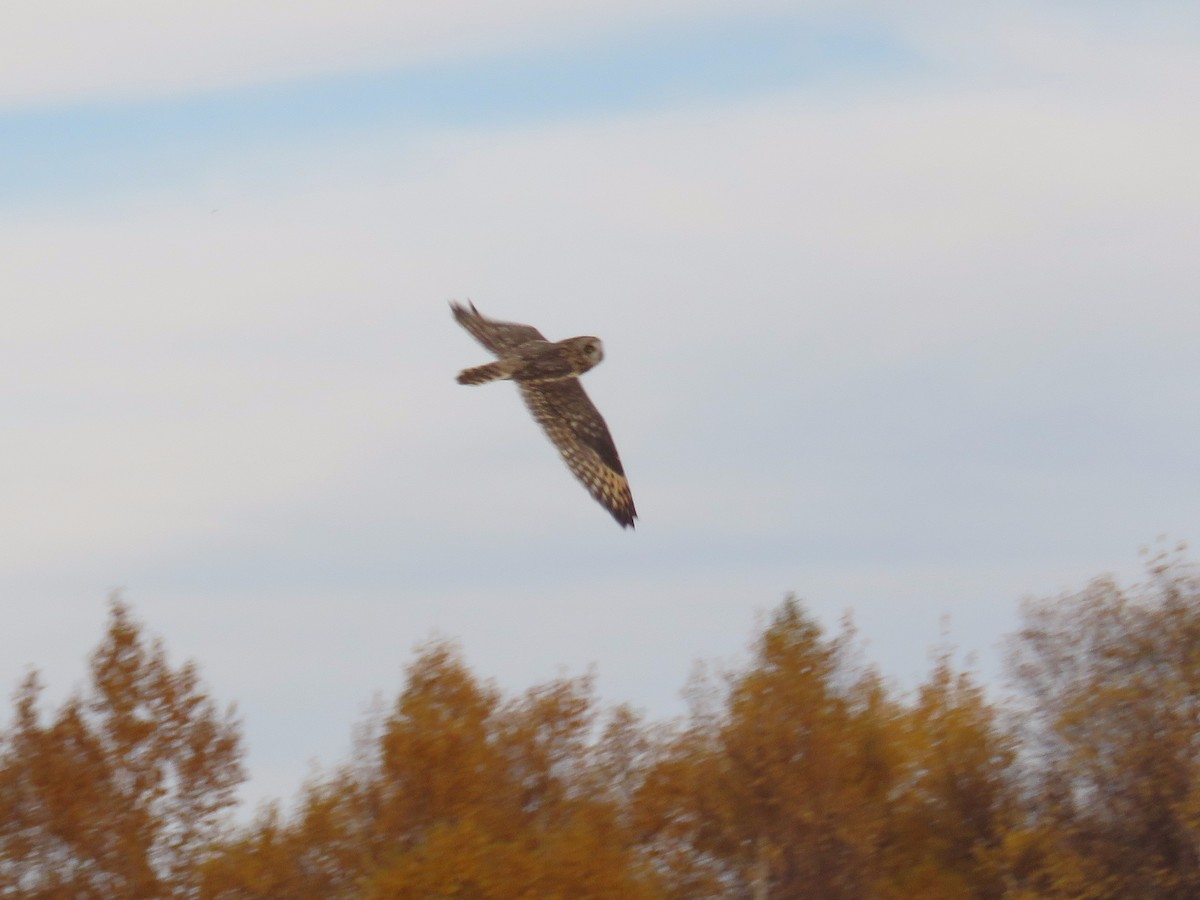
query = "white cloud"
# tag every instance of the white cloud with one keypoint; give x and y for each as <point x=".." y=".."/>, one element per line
<point x="174" y="368"/>
<point x="63" y="50"/>
<point x="209" y="407"/>
<point x="1105" y="49"/>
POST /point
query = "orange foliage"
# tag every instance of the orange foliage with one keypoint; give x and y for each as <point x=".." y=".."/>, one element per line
<point x="783" y="790"/>
<point x="121" y="793"/>
<point x="798" y="774"/>
<point x="957" y="795"/>
<point x="455" y="793"/>
<point x="1114" y="681"/>
<point x="805" y="779"/>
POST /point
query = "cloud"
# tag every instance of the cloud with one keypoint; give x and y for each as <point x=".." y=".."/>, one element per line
<point x="912" y="347"/>
<point x="181" y="367"/>
<point x="1105" y="49"/>
<point x="71" y="51"/>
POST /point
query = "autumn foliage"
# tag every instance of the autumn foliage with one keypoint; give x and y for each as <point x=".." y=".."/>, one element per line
<point x="800" y="773"/>
<point x="120" y="793"/>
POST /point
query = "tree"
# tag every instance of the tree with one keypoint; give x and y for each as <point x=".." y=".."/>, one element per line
<point x="956" y="797"/>
<point x="1112" y="682"/>
<point x="122" y="792"/>
<point x="783" y="792"/>
<point x="457" y="792"/>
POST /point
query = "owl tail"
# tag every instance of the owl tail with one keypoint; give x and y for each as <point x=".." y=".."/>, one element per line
<point x="496" y="371"/>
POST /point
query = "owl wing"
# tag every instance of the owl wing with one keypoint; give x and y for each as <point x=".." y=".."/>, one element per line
<point x="499" y="337"/>
<point x="577" y="429"/>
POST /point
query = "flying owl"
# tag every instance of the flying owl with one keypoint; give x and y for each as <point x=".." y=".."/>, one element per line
<point x="548" y="375"/>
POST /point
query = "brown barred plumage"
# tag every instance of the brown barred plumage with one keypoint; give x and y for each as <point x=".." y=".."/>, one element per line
<point x="548" y="376"/>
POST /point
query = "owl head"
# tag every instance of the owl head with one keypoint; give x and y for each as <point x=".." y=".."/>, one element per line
<point x="587" y="351"/>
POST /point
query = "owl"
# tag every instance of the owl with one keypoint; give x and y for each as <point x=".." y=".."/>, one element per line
<point x="548" y="375"/>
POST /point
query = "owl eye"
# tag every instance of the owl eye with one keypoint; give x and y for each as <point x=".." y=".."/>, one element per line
<point x="590" y="349"/>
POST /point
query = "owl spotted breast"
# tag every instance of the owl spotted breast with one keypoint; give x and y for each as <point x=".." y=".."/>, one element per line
<point x="547" y="374"/>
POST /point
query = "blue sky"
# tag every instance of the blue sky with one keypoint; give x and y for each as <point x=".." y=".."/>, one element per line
<point x="898" y="307"/>
<point x="119" y="143"/>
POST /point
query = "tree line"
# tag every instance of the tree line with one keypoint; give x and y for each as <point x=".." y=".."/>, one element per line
<point x="799" y="773"/>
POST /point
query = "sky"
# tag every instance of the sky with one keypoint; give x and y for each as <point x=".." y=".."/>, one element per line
<point x="900" y="306"/>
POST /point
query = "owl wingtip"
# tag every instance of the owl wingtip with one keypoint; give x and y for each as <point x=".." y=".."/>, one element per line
<point x="625" y="518"/>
